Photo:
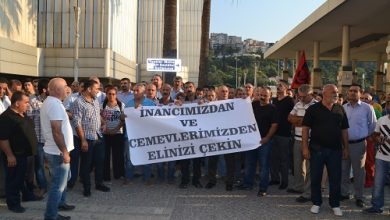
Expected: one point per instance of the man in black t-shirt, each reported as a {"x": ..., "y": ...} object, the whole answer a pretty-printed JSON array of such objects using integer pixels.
[
  {"x": 282, "y": 139},
  {"x": 17, "y": 141},
  {"x": 266, "y": 117},
  {"x": 328, "y": 125}
]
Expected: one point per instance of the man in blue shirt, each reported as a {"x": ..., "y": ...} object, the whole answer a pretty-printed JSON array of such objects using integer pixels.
[
  {"x": 138, "y": 101},
  {"x": 362, "y": 120}
]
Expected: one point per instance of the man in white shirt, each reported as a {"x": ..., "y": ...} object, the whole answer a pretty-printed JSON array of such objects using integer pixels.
[
  {"x": 4, "y": 104},
  {"x": 300, "y": 183},
  {"x": 4, "y": 93},
  {"x": 58, "y": 137}
]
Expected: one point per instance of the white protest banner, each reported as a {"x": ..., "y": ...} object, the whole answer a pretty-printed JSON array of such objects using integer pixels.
[{"x": 166, "y": 133}]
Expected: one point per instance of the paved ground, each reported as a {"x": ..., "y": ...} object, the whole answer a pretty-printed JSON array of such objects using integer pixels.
[{"x": 163, "y": 201}]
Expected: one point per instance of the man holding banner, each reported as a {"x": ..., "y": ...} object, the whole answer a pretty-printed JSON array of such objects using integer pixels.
[
  {"x": 196, "y": 162},
  {"x": 138, "y": 101},
  {"x": 169, "y": 133},
  {"x": 267, "y": 119},
  {"x": 223, "y": 94}
]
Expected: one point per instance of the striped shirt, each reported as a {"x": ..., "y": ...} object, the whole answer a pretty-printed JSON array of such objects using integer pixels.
[
  {"x": 300, "y": 110},
  {"x": 383, "y": 127},
  {"x": 4, "y": 103},
  {"x": 87, "y": 115},
  {"x": 33, "y": 112}
]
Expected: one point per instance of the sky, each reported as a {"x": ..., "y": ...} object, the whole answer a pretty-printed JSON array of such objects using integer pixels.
[{"x": 265, "y": 20}]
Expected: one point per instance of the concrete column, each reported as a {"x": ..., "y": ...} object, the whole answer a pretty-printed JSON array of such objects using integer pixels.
[
  {"x": 387, "y": 83},
  {"x": 354, "y": 73},
  {"x": 316, "y": 80},
  {"x": 379, "y": 75},
  {"x": 285, "y": 69},
  {"x": 297, "y": 55},
  {"x": 345, "y": 72}
]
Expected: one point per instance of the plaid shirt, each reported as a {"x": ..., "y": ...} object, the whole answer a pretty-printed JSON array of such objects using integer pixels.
[
  {"x": 33, "y": 112},
  {"x": 87, "y": 115}
]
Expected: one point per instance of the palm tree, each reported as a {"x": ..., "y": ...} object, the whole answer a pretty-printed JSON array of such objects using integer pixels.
[
  {"x": 204, "y": 44},
  {"x": 169, "y": 43},
  {"x": 10, "y": 12}
]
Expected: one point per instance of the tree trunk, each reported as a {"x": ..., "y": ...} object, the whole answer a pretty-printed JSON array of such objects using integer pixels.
[
  {"x": 204, "y": 45},
  {"x": 169, "y": 44}
]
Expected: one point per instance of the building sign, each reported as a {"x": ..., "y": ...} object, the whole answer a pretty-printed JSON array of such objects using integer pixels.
[{"x": 163, "y": 65}]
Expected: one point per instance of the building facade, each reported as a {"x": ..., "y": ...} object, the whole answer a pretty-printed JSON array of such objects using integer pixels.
[
  {"x": 151, "y": 32},
  {"x": 37, "y": 38},
  {"x": 107, "y": 38},
  {"x": 18, "y": 37}
]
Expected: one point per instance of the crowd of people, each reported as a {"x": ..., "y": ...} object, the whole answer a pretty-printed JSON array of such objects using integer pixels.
[{"x": 308, "y": 141}]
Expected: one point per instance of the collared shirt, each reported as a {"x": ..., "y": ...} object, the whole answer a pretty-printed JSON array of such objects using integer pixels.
[
  {"x": 174, "y": 92},
  {"x": 4, "y": 104},
  {"x": 125, "y": 97},
  {"x": 326, "y": 125},
  {"x": 299, "y": 110},
  {"x": 33, "y": 112},
  {"x": 19, "y": 131},
  {"x": 87, "y": 115},
  {"x": 361, "y": 118},
  {"x": 145, "y": 102},
  {"x": 161, "y": 102},
  {"x": 155, "y": 100},
  {"x": 68, "y": 102},
  {"x": 158, "y": 94},
  {"x": 100, "y": 97}
]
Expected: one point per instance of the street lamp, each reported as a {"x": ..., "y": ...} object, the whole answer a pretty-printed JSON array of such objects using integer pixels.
[
  {"x": 76, "y": 43},
  {"x": 236, "y": 71}
]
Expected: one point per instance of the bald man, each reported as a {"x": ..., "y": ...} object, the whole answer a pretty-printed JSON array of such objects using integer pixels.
[
  {"x": 328, "y": 125},
  {"x": 58, "y": 137}
]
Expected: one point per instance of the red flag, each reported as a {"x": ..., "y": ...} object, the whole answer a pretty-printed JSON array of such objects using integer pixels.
[{"x": 302, "y": 73}]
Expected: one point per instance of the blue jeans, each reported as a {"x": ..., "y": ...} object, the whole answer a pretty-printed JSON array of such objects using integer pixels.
[
  {"x": 95, "y": 156},
  {"x": 171, "y": 170},
  {"x": 57, "y": 194},
  {"x": 74, "y": 161},
  {"x": 332, "y": 160},
  {"x": 129, "y": 167},
  {"x": 40, "y": 167},
  {"x": 382, "y": 168},
  {"x": 261, "y": 154}
]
